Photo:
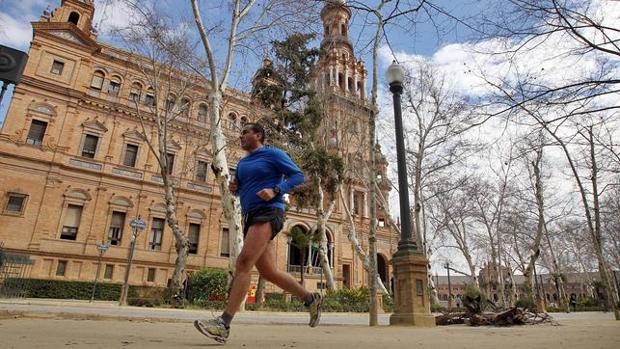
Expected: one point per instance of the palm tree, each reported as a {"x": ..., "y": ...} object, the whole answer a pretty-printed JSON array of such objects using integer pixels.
[{"x": 302, "y": 240}]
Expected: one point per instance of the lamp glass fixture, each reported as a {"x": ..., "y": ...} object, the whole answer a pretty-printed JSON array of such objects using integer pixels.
[{"x": 395, "y": 73}]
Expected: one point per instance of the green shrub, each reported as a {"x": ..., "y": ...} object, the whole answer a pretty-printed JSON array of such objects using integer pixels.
[
  {"x": 526, "y": 303},
  {"x": 347, "y": 300},
  {"x": 437, "y": 308},
  {"x": 388, "y": 304},
  {"x": 208, "y": 288},
  {"x": 82, "y": 290}
]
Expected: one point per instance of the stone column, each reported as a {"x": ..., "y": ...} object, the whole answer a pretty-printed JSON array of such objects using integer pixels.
[{"x": 412, "y": 306}]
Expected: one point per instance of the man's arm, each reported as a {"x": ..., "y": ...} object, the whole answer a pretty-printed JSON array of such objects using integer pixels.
[{"x": 291, "y": 171}]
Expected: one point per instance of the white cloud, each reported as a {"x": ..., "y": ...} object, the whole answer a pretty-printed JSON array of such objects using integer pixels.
[
  {"x": 14, "y": 33},
  {"x": 114, "y": 14}
]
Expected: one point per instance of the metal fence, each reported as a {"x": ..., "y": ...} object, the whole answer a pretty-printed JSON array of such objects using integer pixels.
[{"x": 14, "y": 268}]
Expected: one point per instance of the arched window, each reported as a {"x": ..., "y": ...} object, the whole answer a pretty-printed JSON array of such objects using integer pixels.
[
  {"x": 202, "y": 113},
  {"x": 232, "y": 121},
  {"x": 341, "y": 81},
  {"x": 115, "y": 86},
  {"x": 350, "y": 84},
  {"x": 313, "y": 253},
  {"x": 244, "y": 120},
  {"x": 97, "y": 80},
  {"x": 185, "y": 106},
  {"x": 170, "y": 103},
  {"x": 343, "y": 29},
  {"x": 326, "y": 30},
  {"x": 149, "y": 97},
  {"x": 74, "y": 18},
  {"x": 135, "y": 93}
]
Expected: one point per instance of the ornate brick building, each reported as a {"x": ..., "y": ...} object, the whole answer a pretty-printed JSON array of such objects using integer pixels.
[{"x": 76, "y": 168}]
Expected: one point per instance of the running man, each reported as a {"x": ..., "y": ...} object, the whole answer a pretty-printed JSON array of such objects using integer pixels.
[{"x": 263, "y": 176}]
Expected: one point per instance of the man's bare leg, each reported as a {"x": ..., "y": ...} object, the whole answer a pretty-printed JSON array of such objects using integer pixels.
[
  {"x": 267, "y": 268},
  {"x": 255, "y": 243}
]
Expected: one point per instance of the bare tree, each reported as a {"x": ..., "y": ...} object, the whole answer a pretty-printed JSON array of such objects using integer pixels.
[
  {"x": 162, "y": 57},
  {"x": 250, "y": 22}
]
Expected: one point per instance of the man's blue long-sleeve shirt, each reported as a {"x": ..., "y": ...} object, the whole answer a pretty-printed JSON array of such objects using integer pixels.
[{"x": 265, "y": 168}]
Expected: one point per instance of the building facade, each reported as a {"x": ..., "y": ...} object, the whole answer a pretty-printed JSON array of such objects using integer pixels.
[{"x": 76, "y": 168}]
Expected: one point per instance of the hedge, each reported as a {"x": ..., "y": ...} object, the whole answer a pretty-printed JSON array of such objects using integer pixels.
[{"x": 61, "y": 289}]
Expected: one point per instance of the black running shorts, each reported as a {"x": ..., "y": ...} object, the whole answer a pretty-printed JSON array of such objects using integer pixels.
[{"x": 273, "y": 215}]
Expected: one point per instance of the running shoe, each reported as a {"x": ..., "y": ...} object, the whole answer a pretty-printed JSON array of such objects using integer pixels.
[
  {"x": 315, "y": 309},
  {"x": 213, "y": 328}
]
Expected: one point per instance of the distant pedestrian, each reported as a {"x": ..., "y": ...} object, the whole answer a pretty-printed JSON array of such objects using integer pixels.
[
  {"x": 573, "y": 302},
  {"x": 458, "y": 301}
]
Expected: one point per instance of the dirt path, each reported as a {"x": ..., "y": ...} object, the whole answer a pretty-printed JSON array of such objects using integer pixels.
[{"x": 53, "y": 333}]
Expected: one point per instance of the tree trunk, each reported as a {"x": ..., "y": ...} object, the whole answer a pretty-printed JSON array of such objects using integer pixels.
[
  {"x": 322, "y": 217},
  {"x": 303, "y": 267},
  {"x": 260, "y": 291},
  {"x": 612, "y": 296},
  {"x": 540, "y": 228},
  {"x": 357, "y": 246},
  {"x": 220, "y": 167}
]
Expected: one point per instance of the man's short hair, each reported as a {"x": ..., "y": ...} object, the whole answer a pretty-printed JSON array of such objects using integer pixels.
[{"x": 256, "y": 128}]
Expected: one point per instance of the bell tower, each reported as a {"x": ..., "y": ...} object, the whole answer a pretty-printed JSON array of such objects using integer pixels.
[
  {"x": 77, "y": 12},
  {"x": 337, "y": 69}
]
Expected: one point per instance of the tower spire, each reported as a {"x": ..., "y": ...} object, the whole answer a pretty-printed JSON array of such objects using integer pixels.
[{"x": 338, "y": 70}]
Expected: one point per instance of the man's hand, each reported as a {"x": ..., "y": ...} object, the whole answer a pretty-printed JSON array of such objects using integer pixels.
[
  {"x": 266, "y": 194},
  {"x": 233, "y": 185}
]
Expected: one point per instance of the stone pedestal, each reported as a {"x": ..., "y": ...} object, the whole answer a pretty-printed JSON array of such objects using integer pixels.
[{"x": 412, "y": 306}]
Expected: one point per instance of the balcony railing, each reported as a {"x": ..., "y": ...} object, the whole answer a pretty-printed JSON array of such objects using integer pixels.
[{"x": 307, "y": 270}]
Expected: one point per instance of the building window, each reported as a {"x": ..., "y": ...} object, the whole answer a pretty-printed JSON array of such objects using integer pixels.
[
  {"x": 225, "y": 244},
  {"x": 36, "y": 132},
  {"x": 131, "y": 155},
  {"x": 61, "y": 268},
  {"x": 232, "y": 121},
  {"x": 149, "y": 99},
  {"x": 71, "y": 223},
  {"x": 114, "y": 86},
  {"x": 150, "y": 277},
  {"x": 358, "y": 202},
  {"x": 185, "y": 107},
  {"x": 135, "y": 92},
  {"x": 381, "y": 222},
  {"x": 170, "y": 103},
  {"x": 157, "y": 232},
  {"x": 169, "y": 163},
  {"x": 115, "y": 234},
  {"x": 57, "y": 67},
  {"x": 243, "y": 121},
  {"x": 202, "y": 113},
  {"x": 15, "y": 203},
  {"x": 109, "y": 271},
  {"x": 74, "y": 18},
  {"x": 90, "y": 146},
  {"x": 201, "y": 171},
  {"x": 194, "y": 233},
  {"x": 97, "y": 80}
]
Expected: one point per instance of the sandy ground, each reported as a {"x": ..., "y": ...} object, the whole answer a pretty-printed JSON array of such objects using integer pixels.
[{"x": 50, "y": 332}]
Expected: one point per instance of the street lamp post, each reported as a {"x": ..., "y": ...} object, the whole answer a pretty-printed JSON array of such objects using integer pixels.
[
  {"x": 137, "y": 225},
  {"x": 447, "y": 266},
  {"x": 101, "y": 248},
  {"x": 412, "y": 303}
]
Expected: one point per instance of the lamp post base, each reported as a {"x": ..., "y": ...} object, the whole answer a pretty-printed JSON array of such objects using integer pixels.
[{"x": 412, "y": 306}]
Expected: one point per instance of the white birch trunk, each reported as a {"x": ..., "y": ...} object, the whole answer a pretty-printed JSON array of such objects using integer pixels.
[
  {"x": 357, "y": 246},
  {"x": 322, "y": 217}
]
